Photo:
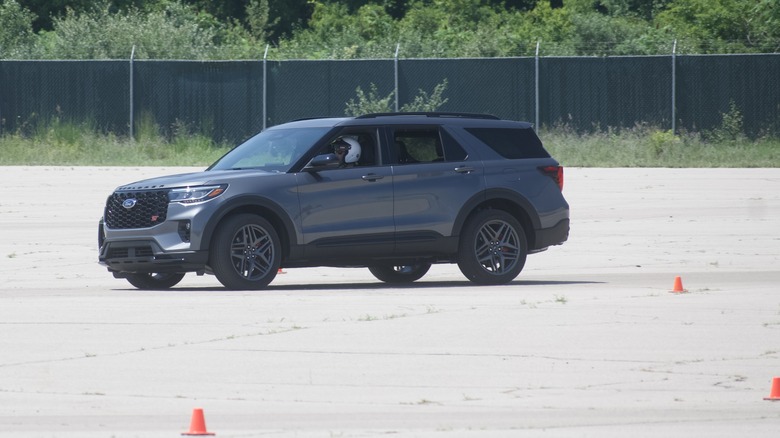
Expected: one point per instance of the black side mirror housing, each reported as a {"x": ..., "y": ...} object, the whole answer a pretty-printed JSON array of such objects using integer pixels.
[{"x": 324, "y": 161}]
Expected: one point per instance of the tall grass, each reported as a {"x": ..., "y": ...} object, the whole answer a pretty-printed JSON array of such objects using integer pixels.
[
  {"x": 62, "y": 143},
  {"x": 650, "y": 147}
]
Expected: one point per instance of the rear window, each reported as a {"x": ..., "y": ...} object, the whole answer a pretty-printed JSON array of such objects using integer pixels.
[{"x": 512, "y": 143}]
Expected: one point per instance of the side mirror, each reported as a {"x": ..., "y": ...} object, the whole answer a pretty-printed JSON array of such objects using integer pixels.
[{"x": 324, "y": 161}]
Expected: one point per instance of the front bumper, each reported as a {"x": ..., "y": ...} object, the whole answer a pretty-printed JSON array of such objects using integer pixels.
[{"x": 146, "y": 256}]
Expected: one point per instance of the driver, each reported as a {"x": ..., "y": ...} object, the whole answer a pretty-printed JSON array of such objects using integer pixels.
[{"x": 348, "y": 151}]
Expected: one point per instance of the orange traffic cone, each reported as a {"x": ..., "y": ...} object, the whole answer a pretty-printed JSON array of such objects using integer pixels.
[
  {"x": 774, "y": 394},
  {"x": 197, "y": 424},
  {"x": 678, "y": 288}
]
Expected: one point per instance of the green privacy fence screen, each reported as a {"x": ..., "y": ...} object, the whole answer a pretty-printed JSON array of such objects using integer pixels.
[{"x": 231, "y": 100}]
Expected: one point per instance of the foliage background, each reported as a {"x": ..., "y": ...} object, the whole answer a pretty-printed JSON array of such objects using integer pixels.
[{"x": 350, "y": 29}]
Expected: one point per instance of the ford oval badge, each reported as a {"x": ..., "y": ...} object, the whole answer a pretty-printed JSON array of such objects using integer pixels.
[{"x": 129, "y": 203}]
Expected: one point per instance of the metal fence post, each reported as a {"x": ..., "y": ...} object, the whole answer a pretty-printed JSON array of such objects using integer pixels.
[
  {"x": 265, "y": 84},
  {"x": 395, "y": 66},
  {"x": 536, "y": 86},
  {"x": 674, "y": 87},
  {"x": 132, "y": 121}
]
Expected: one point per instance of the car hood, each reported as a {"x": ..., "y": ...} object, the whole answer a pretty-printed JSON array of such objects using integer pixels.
[{"x": 193, "y": 179}]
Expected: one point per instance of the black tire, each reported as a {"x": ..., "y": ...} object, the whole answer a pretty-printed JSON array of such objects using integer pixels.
[
  {"x": 492, "y": 248},
  {"x": 245, "y": 253},
  {"x": 158, "y": 281},
  {"x": 400, "y": 274}
]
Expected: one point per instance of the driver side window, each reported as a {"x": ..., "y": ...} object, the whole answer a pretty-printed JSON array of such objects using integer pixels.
[{"x": 354, "y": 148}]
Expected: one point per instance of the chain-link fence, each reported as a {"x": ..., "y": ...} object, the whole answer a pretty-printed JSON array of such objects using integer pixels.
[
  {"x": 301, "y": 89},
  {"x": 709, "y": 85},
  {"x": 221, "y": 99},
  {"x": 32, "y": 93},
  {"x": 596, "y": 93},
  {"x": 500, "y": 86},
  {"x": 231, "y": 100}
]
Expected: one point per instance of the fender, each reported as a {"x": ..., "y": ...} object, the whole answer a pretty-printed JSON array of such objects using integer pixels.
[
  {"x": 251, "y": 204},
  {"x": 496, "y": 194}
]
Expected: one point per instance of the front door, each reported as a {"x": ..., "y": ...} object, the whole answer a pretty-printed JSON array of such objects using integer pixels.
[{"x": 347, "y": 212}]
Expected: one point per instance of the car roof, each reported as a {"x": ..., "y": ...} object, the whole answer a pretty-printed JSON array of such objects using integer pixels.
[
  {"x": 410, "y": 118},
  {"x": 321, "y": 122}
]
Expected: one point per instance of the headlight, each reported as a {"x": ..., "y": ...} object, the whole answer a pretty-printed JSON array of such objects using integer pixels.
[{"x": 191, "y": 195}]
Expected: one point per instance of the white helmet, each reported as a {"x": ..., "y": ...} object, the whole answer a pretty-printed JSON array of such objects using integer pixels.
[{"x": 352, "y": 147}]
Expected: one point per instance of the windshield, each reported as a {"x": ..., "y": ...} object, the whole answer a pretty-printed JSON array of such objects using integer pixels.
[{"x": 274, "y": 150}]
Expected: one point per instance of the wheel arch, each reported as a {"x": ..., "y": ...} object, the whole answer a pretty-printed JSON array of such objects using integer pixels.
[
  {"x": 263, "y": 207},
  {"x": 501, "y": 199}
]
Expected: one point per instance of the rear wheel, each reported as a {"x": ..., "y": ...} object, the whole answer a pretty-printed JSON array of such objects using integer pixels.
[
  {"x": 157, "y": 281},
  {"x": 245, "y": 252},
  {"x": 493, "y": 248},
  {"x": 400, "y": 274}
]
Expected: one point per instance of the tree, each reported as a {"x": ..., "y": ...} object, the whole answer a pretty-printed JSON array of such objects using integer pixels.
[
  {"x": 258, "y": 18},
  {"x": 724, "y": 26},
  {"x": 288, "y": 15},
  {"x": 46, "y": 11},
  {"x": 349, "y": 29},
  {"x": 172, "y": 33},
  {"x": 645, "y": 9},
  {"x": 527, "y": 5},
  {"x": 222, "y": 10},
  {"x": 765, "y": 26},
  {"x": 16, "y": 30}
]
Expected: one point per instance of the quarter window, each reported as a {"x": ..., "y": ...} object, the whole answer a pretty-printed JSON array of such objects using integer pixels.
[{"x": 512, "y": 143}]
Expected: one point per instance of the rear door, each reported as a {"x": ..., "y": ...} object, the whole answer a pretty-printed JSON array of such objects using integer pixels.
[{"x": 433, "y": 177}]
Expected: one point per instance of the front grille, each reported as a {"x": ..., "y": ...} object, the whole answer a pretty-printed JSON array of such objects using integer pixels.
[{"x": 150, "y": 209}]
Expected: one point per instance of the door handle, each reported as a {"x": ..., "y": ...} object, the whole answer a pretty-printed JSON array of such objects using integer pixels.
[
  {"x": 371, "y": 177},
  {"x": 464, "y": 169}
]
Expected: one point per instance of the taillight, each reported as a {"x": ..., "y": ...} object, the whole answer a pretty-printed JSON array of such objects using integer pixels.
[{"x": 554, "y": 172}]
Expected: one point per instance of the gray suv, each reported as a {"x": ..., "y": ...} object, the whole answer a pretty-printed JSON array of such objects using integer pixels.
[{"x": 391, "y": 192}]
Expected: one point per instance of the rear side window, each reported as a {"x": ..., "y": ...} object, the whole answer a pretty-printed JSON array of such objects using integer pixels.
[
  {"x": 426, "y": 145},
  {"x": 512, "y": 143}
]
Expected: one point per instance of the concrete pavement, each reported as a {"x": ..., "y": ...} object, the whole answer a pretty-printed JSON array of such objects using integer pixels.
[{"x": 588, "y": 341}]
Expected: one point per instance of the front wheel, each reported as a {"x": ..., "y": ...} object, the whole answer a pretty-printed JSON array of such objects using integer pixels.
[
  {"x": 492, "y": 248},
  {"x": 245, "y": 252},
  {"x": 158, "y": 281},
  {"x": 400, "y": 274}
]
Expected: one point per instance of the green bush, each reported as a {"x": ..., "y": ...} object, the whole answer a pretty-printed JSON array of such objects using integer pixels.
[
  {"x": 425, "y": 102},
  {"x": 662, "y": 141},
  {"x": 373, "y": 103},
  {"x": 730, "y": 129},
  {"x": 173, "y": 32}
]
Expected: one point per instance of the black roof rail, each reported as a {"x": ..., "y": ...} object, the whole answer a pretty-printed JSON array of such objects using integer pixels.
[{"x": 432, "y": 114}]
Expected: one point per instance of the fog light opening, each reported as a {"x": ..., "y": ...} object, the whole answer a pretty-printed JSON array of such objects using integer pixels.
[{"x": 184, "y": 230}]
